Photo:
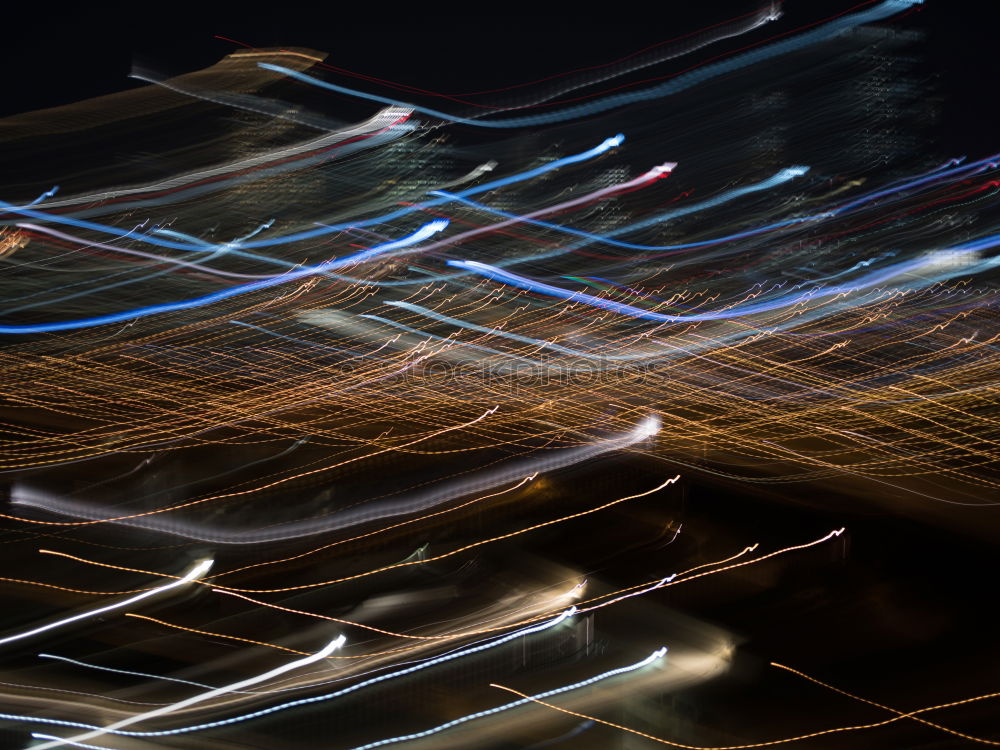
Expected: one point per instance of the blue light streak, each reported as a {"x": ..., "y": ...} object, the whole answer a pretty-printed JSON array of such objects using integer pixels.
[
  {"x": 326, "y": 229},
  {"x": 315, "y": 699},
  {"x": 674, "y": 86},
  {"x": 142, "y": 312},
  {"x": 514, "y": 704}
]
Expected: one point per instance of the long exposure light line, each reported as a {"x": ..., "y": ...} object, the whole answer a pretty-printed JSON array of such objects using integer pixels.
[
  {"x": 768, "y": 743},
  {"x": 314, "y": 699},
  {"x": 202, "y": 697},
  {"x": 514, "y": 704},
  {"x": 196, "y": 572}
]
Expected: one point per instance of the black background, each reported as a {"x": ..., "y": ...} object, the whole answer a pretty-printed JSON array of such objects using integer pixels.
[{"x": 60, "y": 53}]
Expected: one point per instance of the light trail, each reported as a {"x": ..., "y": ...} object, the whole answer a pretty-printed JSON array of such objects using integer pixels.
[
  {"x": 416, "y": 503},
  {"x": 327, "y": 229},
  {"x": 653, "y": 657},
  {"x": 824, "y": 333},
  {"x": 304, "y": 701},
  {"x": 323, "y": 653},
  {"x": 678, "y": 84},
  {"x": 192, "y": 575},
  {"x": 303, "y": 273},
  {"x": 783, "y": 740}
]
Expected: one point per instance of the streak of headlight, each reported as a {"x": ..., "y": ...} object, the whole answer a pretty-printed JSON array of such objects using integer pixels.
[
  {"x": 315, "y": 699},
  {"x": 198, "y": 570},
  {"x": 202, "y": 697},
  {"x": 418, "y": 502},
  {"x": 81, "y": 512},
  {"x": 514, "y": 704},
  {"x": 421, "y": 234}
]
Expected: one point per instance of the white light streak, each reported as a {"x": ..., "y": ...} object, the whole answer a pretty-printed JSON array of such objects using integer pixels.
[
  {"x": 200, "y": 698},
  {"x": 196, "y": 572}
]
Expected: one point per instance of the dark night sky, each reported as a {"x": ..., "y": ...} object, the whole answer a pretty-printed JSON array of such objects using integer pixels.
[{"x": 56, "y": 55}]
